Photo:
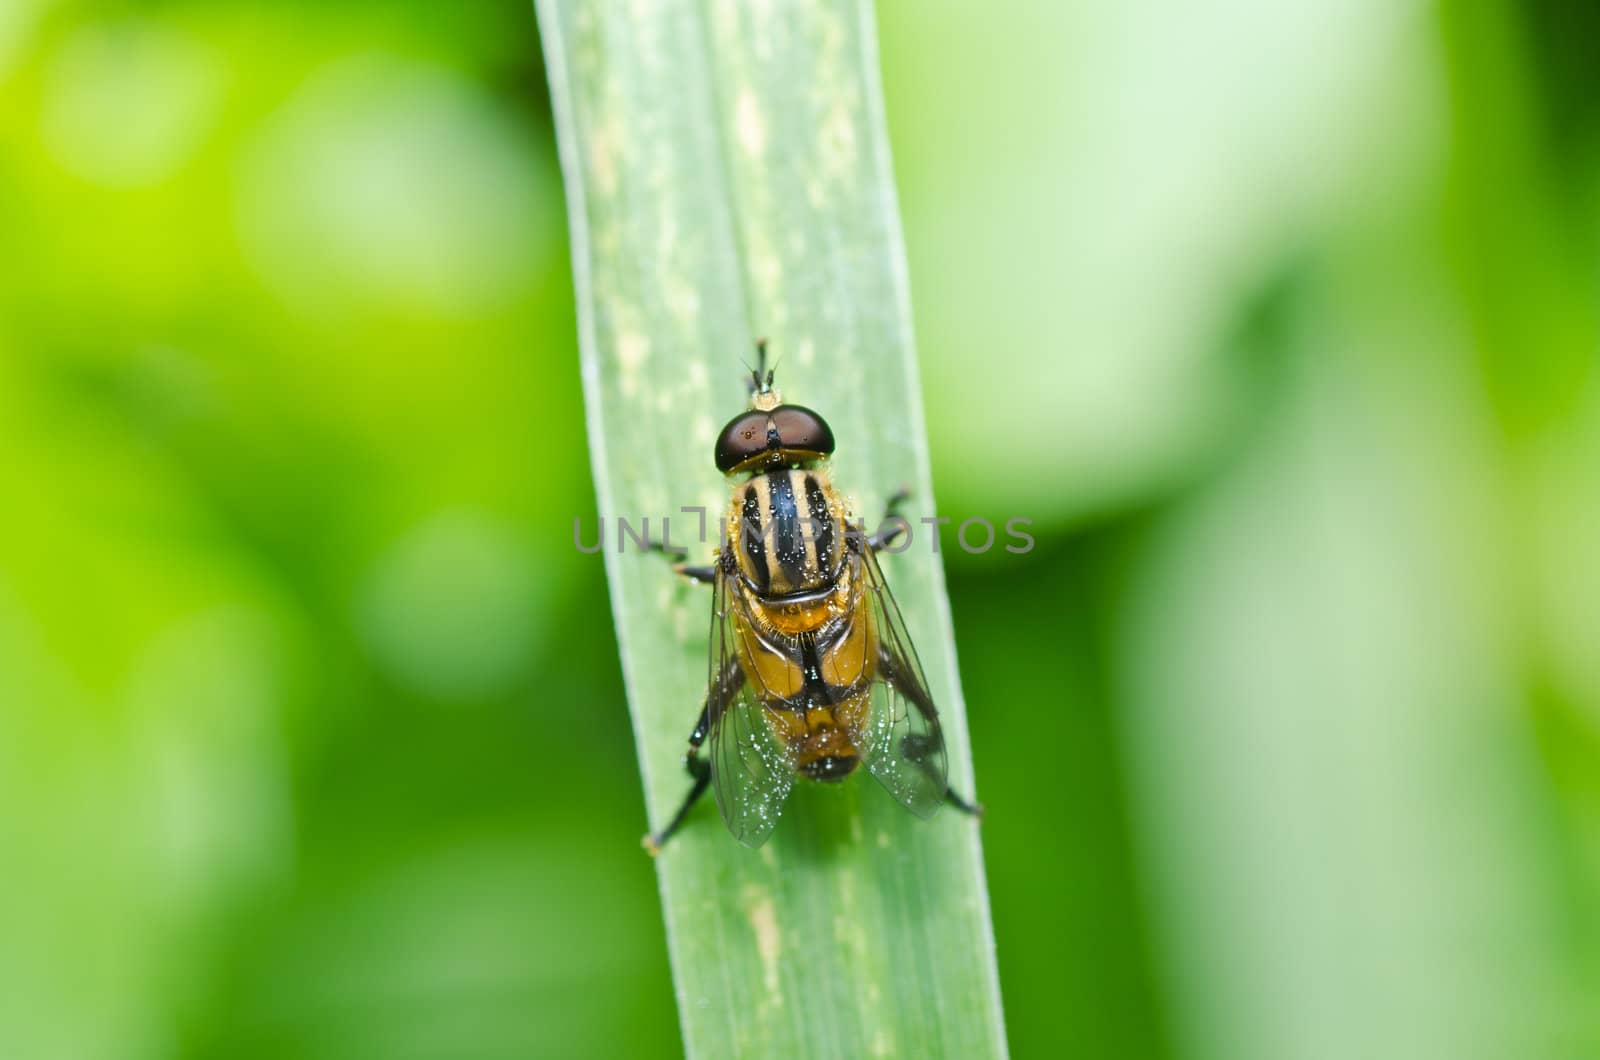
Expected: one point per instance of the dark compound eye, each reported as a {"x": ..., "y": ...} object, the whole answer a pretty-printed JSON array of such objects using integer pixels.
[
  {"x": 742, "y": 438},
  {"x": 787, "y": 428},
  {"x": 802, "y": 429}
]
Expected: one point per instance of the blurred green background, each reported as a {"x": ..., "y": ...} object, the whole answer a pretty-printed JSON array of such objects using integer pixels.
[{"x": 1280, "y": 321}]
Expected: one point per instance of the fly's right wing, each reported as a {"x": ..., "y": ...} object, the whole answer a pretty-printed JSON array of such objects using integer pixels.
[
  {"x": 901, "y": 740},
  {"x": 751, "y": 770}
]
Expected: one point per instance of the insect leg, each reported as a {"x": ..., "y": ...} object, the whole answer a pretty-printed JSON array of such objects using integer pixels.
[
  {"x": 717, "y": 699},
  {"x": 891, "y": 510},
  {"x": 703, "y": 575},
  {"x": 896, "y": 501},
  {"x": 918, "y": 746},
  {"x": 700, "y": 770},
  {"x": 971, "y": 809}
]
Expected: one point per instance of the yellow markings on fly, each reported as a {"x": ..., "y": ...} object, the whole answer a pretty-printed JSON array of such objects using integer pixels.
[
  {"x": 794, "y": 619},
  {"x": 834, "y": 612},
  {"x": 772, "y": 672},
  {"x": 818, "y": 721},
  {"x": 847, "y": 662},
  {"x": 786, "y": 543},
  {"x": 820, "y": 732},
  {"x": 852, "y": 658},
  {"x": 795, "y": 726}
]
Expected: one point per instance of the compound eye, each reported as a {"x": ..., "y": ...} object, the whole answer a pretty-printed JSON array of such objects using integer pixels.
[
  {"x": 743, "y": 437},
  {"x": 800, "y": 428}
]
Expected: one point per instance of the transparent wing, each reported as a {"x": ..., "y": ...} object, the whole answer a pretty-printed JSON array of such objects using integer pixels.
[
  {"x": 751, "y": 770},
  {"x": 900, "y": 739}
]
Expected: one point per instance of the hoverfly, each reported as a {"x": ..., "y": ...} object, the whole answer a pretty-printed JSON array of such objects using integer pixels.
[{"x": 812, "y": 672}]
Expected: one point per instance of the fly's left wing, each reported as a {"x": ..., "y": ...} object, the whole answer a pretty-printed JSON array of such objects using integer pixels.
[
  {"x": 900, "y": 738},
  {"x": 751, "y": 770}
]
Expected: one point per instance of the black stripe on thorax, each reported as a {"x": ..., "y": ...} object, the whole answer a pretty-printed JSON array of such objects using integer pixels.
[
  {"x": 821, "y": 524},
  {"x": 787, "y": 542},
  {"x": 754, "y": 544}
]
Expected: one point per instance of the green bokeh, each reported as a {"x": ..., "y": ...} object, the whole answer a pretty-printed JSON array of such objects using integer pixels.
[{"x": 1279, "y": 322}]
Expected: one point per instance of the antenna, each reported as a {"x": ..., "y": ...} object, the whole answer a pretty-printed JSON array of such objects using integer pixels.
[
  {"x": 762, "y": 396},
  {"x": 761, "y": 375}
]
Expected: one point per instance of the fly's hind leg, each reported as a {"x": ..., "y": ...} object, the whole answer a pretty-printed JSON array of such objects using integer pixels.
[
  {"x": 729, "y": 682},
  {"x": 918, "y": 746},
  {"x": 700, "y": 770},
  {"x": 971, "y": 809}
]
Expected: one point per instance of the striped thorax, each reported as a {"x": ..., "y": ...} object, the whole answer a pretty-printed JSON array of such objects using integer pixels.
[{"x": 787, "y": 530}]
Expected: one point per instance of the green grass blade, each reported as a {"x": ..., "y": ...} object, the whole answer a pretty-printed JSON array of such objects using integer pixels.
[{"x": 728, "y": 177}]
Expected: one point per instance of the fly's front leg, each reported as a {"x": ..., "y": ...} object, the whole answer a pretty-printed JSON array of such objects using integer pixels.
[
  {"x": 886, "y": 534},
  {"x": 729, "y": 682},
  {"x": 703, "y": 575}
]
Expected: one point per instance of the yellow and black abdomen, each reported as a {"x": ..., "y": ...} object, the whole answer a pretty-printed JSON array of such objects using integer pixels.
[
  {"x": 811, "y": 650},
  {"x": 787, "y": 530},
  {"x": 816, "y": 683},
  {"x": 817, "y": 689}
]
